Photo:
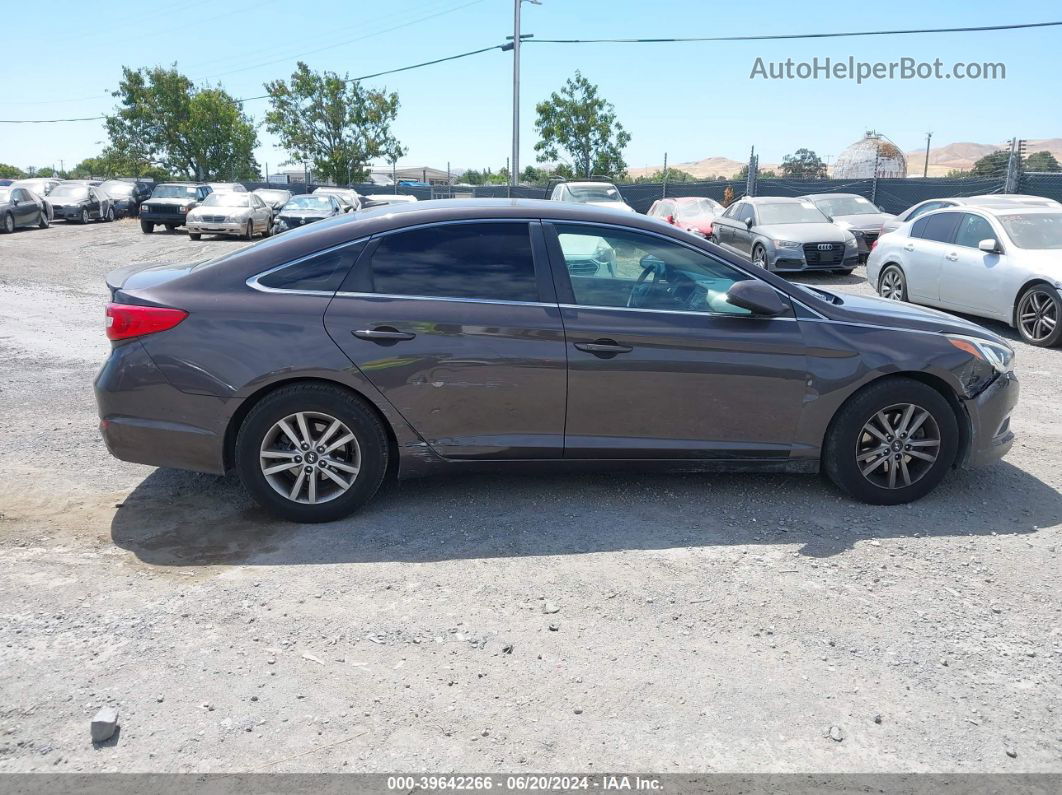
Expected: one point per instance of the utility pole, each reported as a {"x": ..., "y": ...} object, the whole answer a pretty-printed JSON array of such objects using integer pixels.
[
  {"x": 925, "y": 168},
  {"x": 515, "y": 160},
  {"x": 663, "y": 188}
]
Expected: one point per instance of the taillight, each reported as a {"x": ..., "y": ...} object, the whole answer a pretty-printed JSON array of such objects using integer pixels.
[{"x": 130, "y": 320}]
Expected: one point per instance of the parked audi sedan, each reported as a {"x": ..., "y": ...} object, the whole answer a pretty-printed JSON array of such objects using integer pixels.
[
  {"x": 241, "y": 214},
  {"x": 21, "y": 207},
  {"x": 306, "y": 209},
  {"x": 450, "y": 335},
  {"x": 782, "y": 234},
  {"x": 693, "y": 213},
  {"x": 1003, "y": 263},
  {"x": 854, "y": 213},
  {"x": 78, "y": 201}
]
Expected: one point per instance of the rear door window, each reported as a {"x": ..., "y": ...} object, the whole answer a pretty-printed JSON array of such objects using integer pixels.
[
  {"x": 940, "y": 227},
  {"x": 486, "y": 261}
]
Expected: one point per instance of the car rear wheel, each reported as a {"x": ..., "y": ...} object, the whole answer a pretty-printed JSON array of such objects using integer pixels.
[
  {"x": 759, "y": 257},
  {"x": 146, "y": 227},
  {"x": 84, "y": 216},
  {"x": 43, "y": 222},
  {"x": 249, "y": 231},
  {"x": 110, "y": 215},
  {"x": 1037, "y": 315},
  {"x": 194, "y": 236},
  {"x": 891, "y": 443},
  {"x": 9, "y": 223},
  {"x": 892, "y": 284},
  {"x": 311, "y": 453}
]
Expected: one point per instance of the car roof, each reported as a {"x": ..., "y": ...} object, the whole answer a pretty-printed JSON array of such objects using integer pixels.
[
  {"x": 831, "y": 196},
  {"x": 774, "y": 199},
  {"x": 1011, "y": 209}
]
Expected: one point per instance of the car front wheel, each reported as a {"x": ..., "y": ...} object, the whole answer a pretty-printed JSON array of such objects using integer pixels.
[
  {"x": 146, "y": 227},
  {"x": 891, "y": 443},
  {"x": 1037, "y": 316},
  {"x": 9, "y": 223},
  {"x": 759, "y": 257},
  {"x": 892, "y": 284},
  {"x": 311, "y": 453}
]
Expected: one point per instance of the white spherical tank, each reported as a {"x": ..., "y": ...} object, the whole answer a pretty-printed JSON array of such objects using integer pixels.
[{"x": 872, "y": 155}]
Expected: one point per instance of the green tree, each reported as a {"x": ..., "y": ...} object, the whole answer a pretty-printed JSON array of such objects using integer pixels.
[
  {"x": 581, "y": 124},
  {"x": 803, "y": 164},
  {"x": 673, "y": 175},
  {"x": 11, "y": 172},
  {"x": 332, "y": 122},
  {"x": 1042, "y": 161},
  {"x": 535, "y": 176},
  {"x": 47, "y": 171},
  {"x": 991, "y": 165},
  {"x": 743, "y": 174},
  {"x": 114, "y": 163},
  {"x": 164, "y": 120},
  {"x": 956, "y": 173}
]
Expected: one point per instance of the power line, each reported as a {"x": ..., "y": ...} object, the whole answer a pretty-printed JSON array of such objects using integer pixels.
[{"x": 770, "y": 37}]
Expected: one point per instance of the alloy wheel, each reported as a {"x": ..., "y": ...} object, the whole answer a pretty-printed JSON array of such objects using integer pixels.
[
  {"x": 9, "y": 224},
  {"x": 891, "y": 285},
  {"x": 1038, "y": 315},
  {"x": 310, "y": 457},
  {"x": 898, "y": 446},
  {"x": 759, "y": 258}
]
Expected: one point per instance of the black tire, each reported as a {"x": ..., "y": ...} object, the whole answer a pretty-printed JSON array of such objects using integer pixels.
[
  {"x": 9, "y": 224},
  {"x": 84, "y": 216},
  {"x": 195, "y": 236},
  {"x": 146, "y": 227},
  {"x": 171, "y": 227},
  {"x": 110, "y": 215},
  {"x": 892, "y": 283},
  {"x": 249, "y": 232},
  {"x": 325, "y": 399},
  {"x": 43, "y": 223},
  {"x": 1037, "y": 305},
  {"x": 843, "y": 439},
  {"x": 762, "y": 253}
]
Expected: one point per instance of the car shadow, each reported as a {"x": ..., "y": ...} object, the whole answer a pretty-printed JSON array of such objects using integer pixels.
[
  {"x": 183, "y": 519},
  {"x": 826, "y": 279}
]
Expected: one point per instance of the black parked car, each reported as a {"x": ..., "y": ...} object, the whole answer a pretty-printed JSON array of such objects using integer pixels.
[
  {"x": 78, "y": 201},
  {"x": 169, "y": 205},
  {"x": 305, "y": 209},
  {"x": 453, "y": 334},
  {"x": 125, "y": 195},
  {"x": 21, "y": 207}
]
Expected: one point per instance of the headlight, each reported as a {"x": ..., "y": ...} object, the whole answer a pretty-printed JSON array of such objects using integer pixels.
[
  {"x": 786, "y": 244},
  {"x": 999, "y": 355},
  {"x": 852, "y": 243}
]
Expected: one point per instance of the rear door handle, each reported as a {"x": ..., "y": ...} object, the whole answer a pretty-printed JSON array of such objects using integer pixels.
[
  {"x": 603, "y": 347},
  {"x": 952, "y": 256},
  {"x": 909, "y": 247},
  {"x": 383, "y": 334}
]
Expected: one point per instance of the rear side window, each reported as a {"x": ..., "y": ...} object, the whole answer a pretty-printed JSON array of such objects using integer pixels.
[
  {"x": 488, "y": 261},
  {"x": 940, "y": 227},
  {"x": 320, "y": 273}
]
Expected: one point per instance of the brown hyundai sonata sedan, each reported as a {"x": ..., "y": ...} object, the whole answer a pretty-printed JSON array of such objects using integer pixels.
[{"x": 458, "y": 333}]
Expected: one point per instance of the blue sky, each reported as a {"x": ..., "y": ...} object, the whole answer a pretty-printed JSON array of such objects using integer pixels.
[{"x": 690, "y": 100}]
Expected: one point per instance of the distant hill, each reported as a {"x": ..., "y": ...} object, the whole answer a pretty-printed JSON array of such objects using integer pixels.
[{"x": 942, "y": 159}]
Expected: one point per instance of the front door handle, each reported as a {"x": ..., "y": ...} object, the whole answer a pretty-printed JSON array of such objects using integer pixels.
[
  {"x": 952, "y": 256},
  {"x": 909, "y": 247},
  {"x": 603, "y": 347},
  {"x": 383, "y": 334}
]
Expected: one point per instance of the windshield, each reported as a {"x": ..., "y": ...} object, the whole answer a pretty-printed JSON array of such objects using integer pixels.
[
  {"x": 846, "y": 205},
  {"x": 117, "y": 188},
  {"x": 309, "y": 203},
  {"x": 69, "y": 192},
  {"x": 790, "y": 213},
  {"x": 226, "y": 200},
  {"x": 173, "y": 192},
  {"x": 1034, "y": 231},
  {"x": 595, "y": 193},
  {"x": 272, "y": 195},
  {"x": 697, "y": 208}
]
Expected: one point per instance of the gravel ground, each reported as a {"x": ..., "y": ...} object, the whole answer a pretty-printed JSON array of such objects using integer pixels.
[{"x": 666, "y": 623}]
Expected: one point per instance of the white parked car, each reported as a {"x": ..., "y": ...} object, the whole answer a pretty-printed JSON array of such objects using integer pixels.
[
  {"x": 1003, "y": 263},
  {"x": 227, "y": 187},
  {"x": 598, "y": 194},
  {"x": 983, "y": 200},
  {"x": 243, "y": 214}
]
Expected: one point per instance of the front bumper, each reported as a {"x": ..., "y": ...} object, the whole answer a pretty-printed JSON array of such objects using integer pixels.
[
  {"x": 989, "y": 412},
  {"x": 790, "y": 264},
  {"x": 284, "y": 224},
  {"x": 171, "y": 217},
  {"x": 226, "y": 228},
  {"x": 67, "y": 213}
]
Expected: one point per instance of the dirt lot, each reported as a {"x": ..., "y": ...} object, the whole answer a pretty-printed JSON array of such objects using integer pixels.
[{"x": 723, "y": 623}]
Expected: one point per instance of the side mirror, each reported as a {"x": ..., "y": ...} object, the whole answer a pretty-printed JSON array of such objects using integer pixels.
[
  {"x": 757, "y": 297},
  {"x": 748, "y": 223},
  {"x": 989, "y": 245}
]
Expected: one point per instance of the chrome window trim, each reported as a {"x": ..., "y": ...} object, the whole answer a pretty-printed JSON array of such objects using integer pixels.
[
  {"x": 254, "y": 284},
  {"x": 455, "y": 222},
  {"x": 675, "y": 312},
  {"x": 393, "y": 297}
]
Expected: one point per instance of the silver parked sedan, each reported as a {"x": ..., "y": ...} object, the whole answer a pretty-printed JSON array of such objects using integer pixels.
[
  {"x": 242, "y": 214},
  {"x": 782, "y": 234}
]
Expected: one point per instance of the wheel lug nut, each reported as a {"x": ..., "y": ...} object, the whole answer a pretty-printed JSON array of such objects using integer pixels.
[
  {"x": 320, "y": 449},
  {"x": 897, "y": 456},
  {"x": 305, "y": 446},
  {"x": 298, "y": 459},
  {"x": 310, "y": 469},
  {"x": 907, "y": 447}
]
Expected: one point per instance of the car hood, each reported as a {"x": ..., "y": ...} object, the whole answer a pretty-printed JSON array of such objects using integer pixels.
[
  {"x": 177, "y": 202},
  {"x": 298, "y": 213},
  {"x": 803, "y": 233},
  {"x": 863, "y": 221},
  {"x": 1045, "y": 261},
  {"x": 896, "y": 314},
  {"x": 221, "y": 209},
  {"x": 64, "y": 201}
]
